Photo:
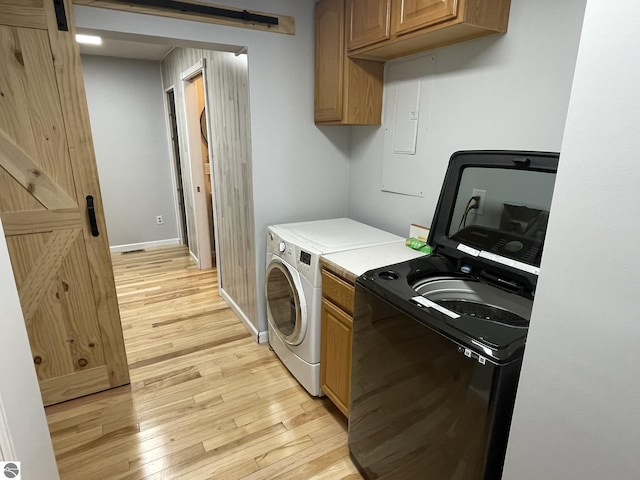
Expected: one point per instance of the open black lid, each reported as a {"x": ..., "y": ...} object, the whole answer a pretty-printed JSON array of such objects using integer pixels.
[{"x": 493, "y": 211}]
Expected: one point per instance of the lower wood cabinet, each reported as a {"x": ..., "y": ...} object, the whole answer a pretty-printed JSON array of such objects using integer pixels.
[{"x": 337, "y": 328}]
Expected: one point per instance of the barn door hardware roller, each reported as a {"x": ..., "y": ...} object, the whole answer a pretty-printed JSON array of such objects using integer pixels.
[{"x": 186, "y": 7}]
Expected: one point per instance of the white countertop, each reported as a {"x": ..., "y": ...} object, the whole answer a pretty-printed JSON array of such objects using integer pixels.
[{"x": 360, "y": 260}]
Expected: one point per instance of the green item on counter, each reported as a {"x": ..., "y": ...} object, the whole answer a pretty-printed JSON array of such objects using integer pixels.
[{"x": 418, "y": 245}]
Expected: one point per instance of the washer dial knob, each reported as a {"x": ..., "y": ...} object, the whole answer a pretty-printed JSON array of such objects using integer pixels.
[{"x": 282, "y": 246}]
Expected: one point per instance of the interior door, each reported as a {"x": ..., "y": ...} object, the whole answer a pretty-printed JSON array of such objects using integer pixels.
[{"x": 48, "y": 184}]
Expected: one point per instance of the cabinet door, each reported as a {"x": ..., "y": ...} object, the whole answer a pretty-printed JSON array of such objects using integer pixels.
[
  {"x": 329, "y": 61},
  {"x": 368, "y": 22},
  {"x": 335, "y": 363},
  {"x": 338, "y": 291},
  {"x": 414, "y": 14}
]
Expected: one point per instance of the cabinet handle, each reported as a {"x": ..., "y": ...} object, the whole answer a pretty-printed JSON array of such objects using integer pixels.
[{"x": 91, "y": 212}]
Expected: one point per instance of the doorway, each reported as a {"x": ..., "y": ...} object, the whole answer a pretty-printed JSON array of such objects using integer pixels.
[
  {"x": 225, "y": 79},
  {"x": 195, "y": 105},
  {"x": 177, "y": 165}
]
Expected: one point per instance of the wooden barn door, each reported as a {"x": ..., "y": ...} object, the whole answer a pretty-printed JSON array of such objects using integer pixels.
[{"x": 49, "y": 194}]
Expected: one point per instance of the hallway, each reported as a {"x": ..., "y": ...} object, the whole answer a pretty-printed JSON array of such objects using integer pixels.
[{"x": 205, "y": 400}]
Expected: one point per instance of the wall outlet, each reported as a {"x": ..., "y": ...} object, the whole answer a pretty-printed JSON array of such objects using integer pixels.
[
  {"x": 159, "y": 219},
  {"x": 482, "y": 194}
]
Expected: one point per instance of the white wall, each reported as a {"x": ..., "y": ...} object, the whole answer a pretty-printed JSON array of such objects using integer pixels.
[
  {"x": 577, "y": 413},
  {"x": 501, "y": 92},
  {"x": 128, "y": 122},
  {"x": 26, "y": 421},
  {"x": 300, "y": 172}
]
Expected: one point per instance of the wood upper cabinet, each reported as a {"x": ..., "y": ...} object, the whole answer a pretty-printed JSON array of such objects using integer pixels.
[
  {"x": 420, "y": 25},
  {"x": 329, "y": 61},
  {"x": 414, "y": 14},
  {"x": 347, "y": 91},
  {"x": 336, "y": 336},
  {"x": 369, "y": 22}
]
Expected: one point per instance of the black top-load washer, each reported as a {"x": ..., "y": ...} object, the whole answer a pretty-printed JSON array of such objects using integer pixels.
[{"x": 438, "y": 341}]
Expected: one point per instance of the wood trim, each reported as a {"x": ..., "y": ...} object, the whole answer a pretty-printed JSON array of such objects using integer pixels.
[
  {"x": 286, "y": 24},
  {"x": 40, "y": 221},
  {"x": 192, "y": 141},
  {"x": 22, "y": 13},
  {"x": 193, "y": 70},
  {"x": 260, "y": 337},
  {"x": 31, "y": 176},
  {"x": 57, "y": 389}
]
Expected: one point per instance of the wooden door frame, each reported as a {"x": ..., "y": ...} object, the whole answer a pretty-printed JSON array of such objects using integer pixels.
[
  {"x": 213, "y": 172},
  {"x": 197, "y": 169}
]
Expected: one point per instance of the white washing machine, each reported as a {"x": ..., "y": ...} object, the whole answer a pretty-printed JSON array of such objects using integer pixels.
[{"x": 293, "y": 287}]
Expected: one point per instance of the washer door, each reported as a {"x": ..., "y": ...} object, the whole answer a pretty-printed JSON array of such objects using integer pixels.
[{"x": 286, "y": 307}]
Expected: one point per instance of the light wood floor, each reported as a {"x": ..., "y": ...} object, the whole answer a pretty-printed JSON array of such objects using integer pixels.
[{"x": 205, "y": 400}]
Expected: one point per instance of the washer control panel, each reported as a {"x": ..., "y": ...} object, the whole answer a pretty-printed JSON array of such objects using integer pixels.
[{"x": 303, "y": 259}]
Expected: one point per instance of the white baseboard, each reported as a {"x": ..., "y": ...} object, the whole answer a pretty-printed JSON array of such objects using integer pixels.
[
  {"x": 263, "y": 337},
  {"x": 144, "y": 245},
  {"x": 194, "y": 258},
  {"x": 260, "y": 337}
]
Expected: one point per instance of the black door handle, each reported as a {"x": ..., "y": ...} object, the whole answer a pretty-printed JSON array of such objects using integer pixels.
[{"x": 91, "y": 212}]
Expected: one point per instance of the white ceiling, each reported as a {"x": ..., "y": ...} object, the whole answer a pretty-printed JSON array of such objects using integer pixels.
[
  {"x": 142, "y": 47},
  {"x": 126, "y": 49}
]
